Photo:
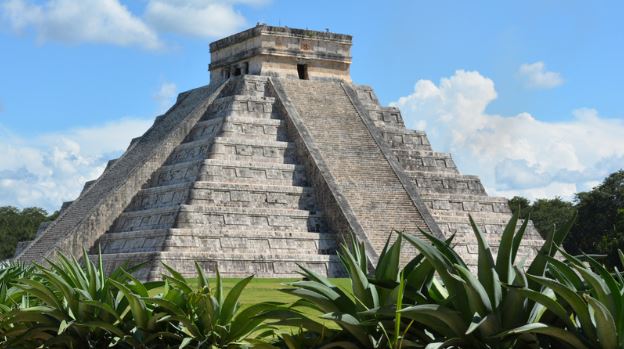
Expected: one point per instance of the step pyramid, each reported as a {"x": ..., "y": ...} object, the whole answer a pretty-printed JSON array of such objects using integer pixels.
[
  {"x": 269, "y": 168},
  {"x": 233, "y": 193}
]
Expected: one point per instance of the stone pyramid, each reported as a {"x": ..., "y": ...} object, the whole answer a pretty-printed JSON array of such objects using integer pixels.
[{"x": 274, "y": 163}]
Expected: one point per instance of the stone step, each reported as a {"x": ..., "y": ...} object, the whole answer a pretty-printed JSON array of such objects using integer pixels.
[
  {"x": 251, "y": 85},
  {"x": 206, "y": 129},
  {"x": 447, "y": 183},
  {"x": 244, "y": 149},
  {"x": 241, "y": 105},
  {"x": 217, "y": 170},
  {"x": 153, "y": 218},
  {"x": 182, "y": 172},
  {"x": 228, "y": 264},
  {"x": 386, "y": 116},
  {"x": 266, "y": 129},
  {"x": 207, "y": 240},
  {"x": 422, "y": 160},
  {"x": 466, "y": 203},
  {"x": 251, "y": 195},
  {"x": 161, "y": 196},
  {"x": 191, "y": 150},
  {"x": 491, "y": 231},
  {"x": 403, "y": 138},
  {"x": 191, "y": 216},
  {"x": 462, "y": 217},
  {"x": 366, "y": 95},
  {"x": 463, "y": 197}
]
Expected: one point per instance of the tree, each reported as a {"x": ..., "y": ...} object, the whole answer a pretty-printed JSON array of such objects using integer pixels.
[
  {"x": 519, "y": 203},
  {"x": 16, "y": 225},
  {"x": 600, "y": 224},
  {"x": 546, "y": 214}
]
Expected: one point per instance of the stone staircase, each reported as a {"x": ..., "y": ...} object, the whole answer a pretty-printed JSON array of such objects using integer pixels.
[
  {"x": 232, "y": 195},
  {"x": 364, "y": 176},
  {"x": 449, "y": 195}
]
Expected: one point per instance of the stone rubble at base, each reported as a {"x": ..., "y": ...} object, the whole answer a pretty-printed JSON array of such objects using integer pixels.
[{"x": 272, "y": 166}]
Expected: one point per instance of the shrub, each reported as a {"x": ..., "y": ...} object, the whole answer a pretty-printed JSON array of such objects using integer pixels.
[
  {"x": 202, "y": 317},
  {"x": 481, "y": 310}
]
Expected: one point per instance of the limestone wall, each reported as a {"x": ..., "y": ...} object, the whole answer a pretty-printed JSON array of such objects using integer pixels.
[{"x": 276, "y": 51}]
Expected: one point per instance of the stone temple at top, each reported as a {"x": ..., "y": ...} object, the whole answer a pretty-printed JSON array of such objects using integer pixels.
[{"x": 274, "y": 163}]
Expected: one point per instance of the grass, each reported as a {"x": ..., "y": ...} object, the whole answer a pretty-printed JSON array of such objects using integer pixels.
[{"x": 268, "y": 290}]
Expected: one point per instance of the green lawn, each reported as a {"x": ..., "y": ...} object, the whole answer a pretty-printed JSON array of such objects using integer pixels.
[{"x": 268, "y": 290}]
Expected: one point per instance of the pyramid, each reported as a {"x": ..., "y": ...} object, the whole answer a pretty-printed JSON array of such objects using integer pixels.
[{"x": 271, "y": 166}]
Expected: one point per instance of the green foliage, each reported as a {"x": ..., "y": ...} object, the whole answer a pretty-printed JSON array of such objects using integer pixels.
[
  {"x": 68, "y": 304},
  {"x": 367, "y": 312},
  {"x": 600, "y": 219},
  {"x": 546, "y": 214},
  {"x": 520, "y": 205},
  {"x": 600, "y": 227},
  {"x": 613, "y": 240},
  {"x": 483, "y": 310},
  {"x": 205, "y": 317},
  {"x": 16, "y": 225},
  {"x": 590, "y": 303},
  {"x": 433, "y": 301}
]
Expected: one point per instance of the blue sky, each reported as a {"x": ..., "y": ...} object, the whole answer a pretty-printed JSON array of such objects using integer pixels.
[{"x": 526, "y": 95}]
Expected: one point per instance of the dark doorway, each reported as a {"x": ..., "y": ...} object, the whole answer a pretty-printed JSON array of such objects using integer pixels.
[
  {"x": 302, "y": 70},
  {"x": 237, "y": 71}
]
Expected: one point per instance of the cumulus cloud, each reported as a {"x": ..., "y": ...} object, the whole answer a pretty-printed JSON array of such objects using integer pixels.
[
  {"x": 194, "y": 17},
  {"x": 111, "y": 22},
  {"x": 51, "y": 168},
  {"x": 516, "y": 154},
  {"x": 99, "y": 21},
  {"x": 535, "y": 75},
  {"x": 165, "y": 96}
]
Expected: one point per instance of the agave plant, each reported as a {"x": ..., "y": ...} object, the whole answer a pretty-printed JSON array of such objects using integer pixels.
[
  {"x": 480, "y": 311},
  {"x": 11, "y": 297},
  {"x": 587, "y": 301},
  {"x": 10, "y": 272},
  {"x": 71, "y": 305},
  {"x": 368, "y": 313},
  {"x": 210, "y": 318}
]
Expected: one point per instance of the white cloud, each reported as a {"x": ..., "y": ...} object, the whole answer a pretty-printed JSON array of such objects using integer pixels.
[
  {"x": 518, "y": 154},
  {"x": 535, "y": 75},
  {"x": 165, "y": 96},
  {"x": 100, "y": 21},
  {"x": 110, "y": 21},
  {"x": 51, "y": 168},
  {"x": 194, "y": 17}
]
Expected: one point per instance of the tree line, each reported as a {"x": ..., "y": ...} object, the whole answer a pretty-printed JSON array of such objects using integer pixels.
[
  {"x": 599, "y": 227},
  {"x": 19, "y": 225}
]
